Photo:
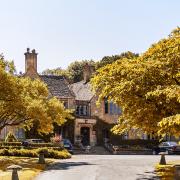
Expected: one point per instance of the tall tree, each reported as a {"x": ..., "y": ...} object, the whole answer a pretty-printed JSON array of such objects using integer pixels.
[
  {"x": 147, "y": 88},
  {"x": 24, "y": 101},
  {"x": 75, "y": 69}
]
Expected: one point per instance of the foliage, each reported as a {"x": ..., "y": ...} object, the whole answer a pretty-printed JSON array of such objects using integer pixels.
[
  {"x": 147, "y": 88},
  {"x": 30, "y": 167},
  {"x": 10, "y": 137},
  {"x": 75, "y": 69},
  {"x": 74, "y": 72},
  {"x": 24, "y": 101},
  {"x": 165, "y": 172},
  {"x": 110, "y": 59},
  {"x": 58, "y": 72},
  {"x": 49, "y": 153},
  {"x": 31, "y": 145},
  {"x": 8, "y": 66}
]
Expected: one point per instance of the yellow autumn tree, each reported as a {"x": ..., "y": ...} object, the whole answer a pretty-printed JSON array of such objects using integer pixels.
[
  {"x": 24, "y": 101},
  {"x": 147, "y": 88}
]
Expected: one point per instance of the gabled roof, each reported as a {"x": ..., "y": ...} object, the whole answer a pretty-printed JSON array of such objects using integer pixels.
[
  {"x": 58, "y": 86},
  {"x": 82, "y": 91}
]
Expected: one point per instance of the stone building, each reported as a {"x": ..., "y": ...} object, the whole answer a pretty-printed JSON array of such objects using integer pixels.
[
  {"x": 78, "y": 96},
  {"x": 91, "y": 123}
]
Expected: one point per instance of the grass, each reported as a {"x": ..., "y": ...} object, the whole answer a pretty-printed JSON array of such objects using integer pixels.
[
  {"x": 166, "y": 172},
  {"x": 30, "y": 167}
]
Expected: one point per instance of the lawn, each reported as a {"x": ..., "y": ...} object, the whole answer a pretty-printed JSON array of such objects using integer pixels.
[{"x": 30, "y": 167}]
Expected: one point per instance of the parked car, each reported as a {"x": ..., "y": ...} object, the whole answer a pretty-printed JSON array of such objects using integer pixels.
[
  {"x": 170, "y": 147},
  {"x": 68, "y": 145}
]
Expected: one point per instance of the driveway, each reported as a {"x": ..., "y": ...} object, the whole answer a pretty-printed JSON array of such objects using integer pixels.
[{"x": 104, "y": 167}]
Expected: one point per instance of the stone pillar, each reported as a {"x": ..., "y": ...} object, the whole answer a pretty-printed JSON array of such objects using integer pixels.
[
  {"x": 41, "y": 158},
  {"x": 162, "y": 160}
]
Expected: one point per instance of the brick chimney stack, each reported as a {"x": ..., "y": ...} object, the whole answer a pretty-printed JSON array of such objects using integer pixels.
[
  {"x": 87, "y": 72},
  {"x": 31, "y": 63}
]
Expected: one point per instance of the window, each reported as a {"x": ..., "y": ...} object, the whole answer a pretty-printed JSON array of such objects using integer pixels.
[
  {"x": 66, "y": 105},
  {"x": 85, "y": 110},
  {"x": 82, "y": 110},
  {"x": 114, "y": 109},
  {"x": 77, "y": 110},
  {"x": 111, "y": 107}
]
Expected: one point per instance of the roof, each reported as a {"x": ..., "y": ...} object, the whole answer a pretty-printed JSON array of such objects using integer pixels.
[
  {"x": 82, "y": 91},
  {"x": 57, "y": 85}
]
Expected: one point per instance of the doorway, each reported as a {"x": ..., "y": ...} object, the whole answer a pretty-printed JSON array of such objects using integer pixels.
[{"x": 85, "y": 134}]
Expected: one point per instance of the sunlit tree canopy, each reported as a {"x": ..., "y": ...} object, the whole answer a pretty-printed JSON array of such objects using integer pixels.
[{"x": 147, "y": 88}]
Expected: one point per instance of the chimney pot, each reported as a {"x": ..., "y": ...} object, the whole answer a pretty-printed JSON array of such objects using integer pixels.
[{"x": 31, "y": 62}]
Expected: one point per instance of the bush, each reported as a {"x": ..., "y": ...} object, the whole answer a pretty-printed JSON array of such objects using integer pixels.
[
  {"x": 134, "y": 142},
  {"x": 3, "y": 144},
  {"x": 49, "y": 153},
  {"x": 10, "y": 137},
  {"x": 32, "y": 145},
  {"x": 165, "y": 171}
]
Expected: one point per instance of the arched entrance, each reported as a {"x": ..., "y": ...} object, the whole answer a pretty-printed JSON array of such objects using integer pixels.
[{"x": 85, "y": 134}]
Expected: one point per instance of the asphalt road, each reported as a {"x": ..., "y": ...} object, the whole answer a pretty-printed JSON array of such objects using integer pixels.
[{"x": 105, "y": 167}]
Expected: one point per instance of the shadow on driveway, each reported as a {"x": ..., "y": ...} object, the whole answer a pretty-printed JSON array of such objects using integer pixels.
[
  {"x": 148, "y": 176},
  {"x": 66, "y": 165}
]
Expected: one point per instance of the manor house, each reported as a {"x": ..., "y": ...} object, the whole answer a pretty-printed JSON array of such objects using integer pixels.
[{"x": 92, "y": 123}]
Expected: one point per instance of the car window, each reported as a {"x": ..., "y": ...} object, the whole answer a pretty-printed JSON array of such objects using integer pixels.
[
  {"x": 66, "y": 141},
  {"x": 173, "y": 143},
  {"x": 165, "y": 144},
  {"x": 162, "y": 144}
]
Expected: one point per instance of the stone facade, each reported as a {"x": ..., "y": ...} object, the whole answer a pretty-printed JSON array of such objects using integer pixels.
[{"x": 77, "y": 96}]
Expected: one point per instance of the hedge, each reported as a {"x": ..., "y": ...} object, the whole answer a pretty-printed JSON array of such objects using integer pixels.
[
  {"x": 135, "y": 142},
  {"x": 30, "y": 148},
  {"x": 38, "y": 145},
  {"x": 49, "y": 153}
]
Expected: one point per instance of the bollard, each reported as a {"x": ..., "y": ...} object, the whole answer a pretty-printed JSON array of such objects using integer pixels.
[
  {"x": 14, "y": 169},
  {"x": 41, "y": 158},
  {"x": 162, "y": 160}
]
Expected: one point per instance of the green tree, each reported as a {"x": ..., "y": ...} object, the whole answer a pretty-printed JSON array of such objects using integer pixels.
[
  {"x": 58, "y": 72},
  {"x": 147, "y": 88},
  {"x": 75, "y": 69},
  {"x": 110, "y": 59}
]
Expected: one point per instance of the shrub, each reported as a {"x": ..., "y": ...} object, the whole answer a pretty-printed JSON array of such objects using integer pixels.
[
  {"x": 49, "y": 153},
  {"x": 2, "y": 144},
  {"x": 10, "y": 137},
  {"x": 165, "y": 171}
]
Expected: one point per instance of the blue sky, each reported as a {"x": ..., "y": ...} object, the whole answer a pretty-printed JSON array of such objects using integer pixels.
[{"x": 66, "y": 30}]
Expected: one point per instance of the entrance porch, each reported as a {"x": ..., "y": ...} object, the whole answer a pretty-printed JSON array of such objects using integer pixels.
[{"x": 84, "y": 132}]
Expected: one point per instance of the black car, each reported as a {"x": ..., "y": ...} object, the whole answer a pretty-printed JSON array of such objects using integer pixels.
[
  {"x": 170, "y": 147},
  {"x": 68, "y": 145}
]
